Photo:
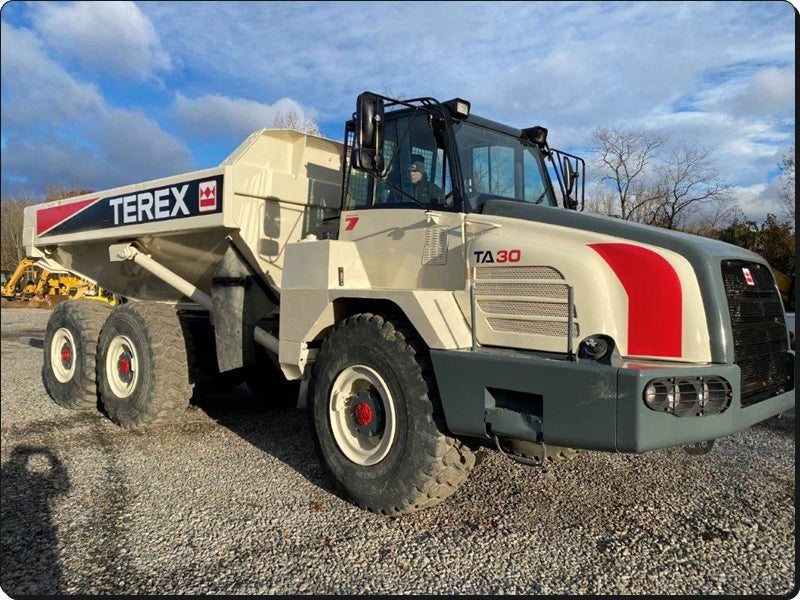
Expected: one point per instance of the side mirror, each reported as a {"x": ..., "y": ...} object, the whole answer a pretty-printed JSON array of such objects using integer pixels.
[
  {"x": 369, "y": 133},
  {"x": 570, "y": 170},
  {"x": 569, "y": 176}
]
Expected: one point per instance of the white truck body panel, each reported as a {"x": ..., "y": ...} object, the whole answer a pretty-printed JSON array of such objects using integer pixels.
[{"x": 275, "y": 188}]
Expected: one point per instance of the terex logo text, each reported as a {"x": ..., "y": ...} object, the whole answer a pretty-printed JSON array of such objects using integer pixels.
[{"x": 163, "y": 203}]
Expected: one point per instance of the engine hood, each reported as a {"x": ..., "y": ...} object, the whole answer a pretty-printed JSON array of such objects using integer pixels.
[
  {"x": 691, "y": 246},
  {"x": 703, "y": 256}
]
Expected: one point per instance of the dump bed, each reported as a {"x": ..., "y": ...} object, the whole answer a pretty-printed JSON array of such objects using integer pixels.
[{"x": 277, "y": 187}]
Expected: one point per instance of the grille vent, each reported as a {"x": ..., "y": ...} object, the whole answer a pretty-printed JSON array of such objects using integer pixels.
[
  {"x": 434, "y": 251},
  {"x": 517, "y": 273},
  {"x": 760, "y": 343},
  {"x": 530, "y": 300}
]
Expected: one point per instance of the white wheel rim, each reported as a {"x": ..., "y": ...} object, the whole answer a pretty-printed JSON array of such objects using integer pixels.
[
  {"x": 62, "y": 355},
  {"x": 122, "y": 366},
  {"x": 351, "y": 388}
]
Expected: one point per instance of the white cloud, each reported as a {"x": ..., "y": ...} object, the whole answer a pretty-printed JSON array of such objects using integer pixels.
[
  {"x": 35, "y": 88},
  {"x": 759, "y": 200},
  {"x": 59, "y": 131},
  {"x": 113, "y": 38},
  {"x": 232, "y": 119},
  {"x": 587, "y": 62},
  {"x": 771, "y": 90},
  {"x": 111, "y": 148}
]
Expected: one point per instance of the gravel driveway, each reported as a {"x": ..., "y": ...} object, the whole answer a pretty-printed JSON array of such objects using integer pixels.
[{"x": 231, "y": 500}]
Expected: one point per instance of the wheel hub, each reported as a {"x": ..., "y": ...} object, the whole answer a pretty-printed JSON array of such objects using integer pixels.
[
  {"x": 362, "y": 415},
  {"x": 124, "y": 370},
  {"x": 66, "y": 355},
  {"x": 63, "y": 355},
  {"x": 367, "y": 414}
]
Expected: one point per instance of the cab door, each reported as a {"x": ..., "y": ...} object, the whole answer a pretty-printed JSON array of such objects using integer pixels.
[{"x": 406, "y": 240}]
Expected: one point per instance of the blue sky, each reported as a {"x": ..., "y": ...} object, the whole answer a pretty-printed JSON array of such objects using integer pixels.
[{"x": 101, "y": 94}]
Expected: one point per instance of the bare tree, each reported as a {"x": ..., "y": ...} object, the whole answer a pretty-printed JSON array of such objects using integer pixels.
[
  {"x": 624, "y": 157},
  {"x": 293, "y": 120},
  {"x": 647, "y": 179},
  {"x": 786, "y": 189},
  {"x": 688, "y": 183},
  {"x": 54, "y": 193},
  {"x": 602, "y": 201},
  {"x": 11, "y": 214},
  {"x": 708, "y": 220}
]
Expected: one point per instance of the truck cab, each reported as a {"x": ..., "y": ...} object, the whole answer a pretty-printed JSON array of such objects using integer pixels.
[{"x": 544, "y": 322}]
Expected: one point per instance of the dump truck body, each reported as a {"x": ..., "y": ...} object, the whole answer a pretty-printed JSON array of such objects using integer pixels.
[
  {"x": 276, "y": 187},
  {"x": 485, "y": 315}
]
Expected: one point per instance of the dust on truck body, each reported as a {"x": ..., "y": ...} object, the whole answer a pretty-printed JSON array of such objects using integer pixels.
[{"x": 493, "y": 314}]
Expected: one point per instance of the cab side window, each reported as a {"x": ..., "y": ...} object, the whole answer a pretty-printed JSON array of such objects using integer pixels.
[{"x": 416, "y": 170}]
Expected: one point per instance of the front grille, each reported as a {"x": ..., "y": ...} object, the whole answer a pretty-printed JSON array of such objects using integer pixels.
[{"x": 760, "y": 342}]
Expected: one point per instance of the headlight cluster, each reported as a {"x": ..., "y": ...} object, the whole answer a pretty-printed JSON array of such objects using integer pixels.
[{"x": 688, "y": 397}]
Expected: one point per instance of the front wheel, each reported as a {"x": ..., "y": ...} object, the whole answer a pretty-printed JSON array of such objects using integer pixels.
[{"x": 378, "y": 424}]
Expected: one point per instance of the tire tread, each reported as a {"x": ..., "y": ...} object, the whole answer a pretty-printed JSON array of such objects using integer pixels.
[
  {"x": 88, "y": 317},
  {"x": 451, "y": 461},
  {"x": 171, "y": 390}
]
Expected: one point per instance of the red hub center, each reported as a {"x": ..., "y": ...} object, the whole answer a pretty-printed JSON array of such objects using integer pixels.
[
  {"x": 66, "y": 355},
  {"x": 363, "y": 413},
  {"x": 125, "y": 367}
]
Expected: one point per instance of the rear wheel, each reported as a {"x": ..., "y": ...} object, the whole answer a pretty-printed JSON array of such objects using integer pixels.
[
  {"x": 70, "y": 349},
  {"x": 378, "y": 424},
  {"x": 142, "y": 365}
]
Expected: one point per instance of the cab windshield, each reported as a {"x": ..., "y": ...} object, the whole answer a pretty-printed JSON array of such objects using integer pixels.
[{"x": 496, "y": 165}]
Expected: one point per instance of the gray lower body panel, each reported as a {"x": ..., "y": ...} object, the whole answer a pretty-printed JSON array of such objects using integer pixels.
[{"x": 580, "y": 404}]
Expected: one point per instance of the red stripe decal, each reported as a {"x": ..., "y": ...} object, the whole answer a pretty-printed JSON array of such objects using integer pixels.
[
  {"x": 655, "y": 307},
  {"x": 47, "y": 218}
]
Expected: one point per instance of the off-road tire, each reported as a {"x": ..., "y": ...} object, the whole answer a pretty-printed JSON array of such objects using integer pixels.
[
  {"x": 70, "y": 352},
  {"x": 411, "y": 462},
  {"x": 532, "y": 452},
  {"x": 143, "y": 374}
]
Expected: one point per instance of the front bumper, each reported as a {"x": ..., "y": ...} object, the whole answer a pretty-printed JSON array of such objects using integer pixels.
[{"x": 581, "y": 404}]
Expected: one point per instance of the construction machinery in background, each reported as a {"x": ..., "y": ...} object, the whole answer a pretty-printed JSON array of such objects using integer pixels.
[
  {"x": 32, "y": 286},
  {"x": 491, "y": 314},
  {"x": 786, "y": 286}
]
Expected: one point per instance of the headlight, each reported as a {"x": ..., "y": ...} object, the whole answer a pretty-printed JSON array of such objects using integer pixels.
[
  {"x": 660, "y": 395},
  {"x": 600, "y": 348},
  {"x": 718, "y": 395},
  {"x": 688, "y": 397}
]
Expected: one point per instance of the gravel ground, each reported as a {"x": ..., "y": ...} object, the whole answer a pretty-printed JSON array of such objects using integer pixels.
[{"x": 231, "y": 500}]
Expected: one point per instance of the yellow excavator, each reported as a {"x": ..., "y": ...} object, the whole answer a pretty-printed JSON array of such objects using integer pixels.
[
  {"x": 786, "y": 288},
  {"x": 31, "y": 285}
]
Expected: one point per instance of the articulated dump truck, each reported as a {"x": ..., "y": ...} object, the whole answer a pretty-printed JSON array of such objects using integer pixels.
[{"x": 486, "y": 313}]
